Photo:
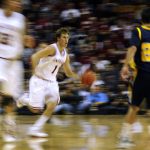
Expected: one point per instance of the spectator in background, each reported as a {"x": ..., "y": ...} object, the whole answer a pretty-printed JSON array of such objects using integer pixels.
[
  {"x": 70, "y": 99},
  {"x": 70, "y": 16},
  {"x": 96, "y": 97},
  {"x": 28, "y": 51}
]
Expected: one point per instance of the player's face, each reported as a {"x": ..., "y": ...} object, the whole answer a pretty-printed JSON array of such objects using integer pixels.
[
  {"x": 63, "y": 40},
  {"x": 14, "y": 5}
]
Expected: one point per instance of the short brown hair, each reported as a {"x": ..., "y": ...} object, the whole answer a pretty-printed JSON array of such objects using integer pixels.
[{"x": 61, "y": 31}]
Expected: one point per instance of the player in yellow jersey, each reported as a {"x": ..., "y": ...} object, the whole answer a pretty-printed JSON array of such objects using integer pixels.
[{"x": 139, "y": 51}]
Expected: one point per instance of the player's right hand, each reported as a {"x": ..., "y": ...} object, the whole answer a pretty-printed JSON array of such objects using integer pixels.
[{"x": 125, "y": 73}]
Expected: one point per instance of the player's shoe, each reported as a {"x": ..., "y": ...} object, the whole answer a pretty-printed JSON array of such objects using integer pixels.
[
  {"x": 36, "y": 133},
  {"x": 9, "y": 138},
  {"x": 137, "y": 128},
  {"x": 125, "y": 143}
]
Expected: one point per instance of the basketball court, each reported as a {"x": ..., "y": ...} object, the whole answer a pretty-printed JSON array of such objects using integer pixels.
[{"x": 77, "y": 132}]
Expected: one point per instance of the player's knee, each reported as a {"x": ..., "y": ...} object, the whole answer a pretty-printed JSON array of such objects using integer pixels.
[
  {"x": 51, "y": 104},
  {"x": 51, "y": 101}
]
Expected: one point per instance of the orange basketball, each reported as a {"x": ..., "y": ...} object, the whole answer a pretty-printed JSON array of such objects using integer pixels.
[{"x": 88, "y": 78}]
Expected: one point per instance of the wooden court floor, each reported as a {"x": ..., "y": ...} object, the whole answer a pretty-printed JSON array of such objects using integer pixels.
[{"x": 77, "y": 132}]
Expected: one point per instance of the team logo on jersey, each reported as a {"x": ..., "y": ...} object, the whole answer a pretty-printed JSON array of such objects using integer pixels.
[{"x": 58, "y": 60}]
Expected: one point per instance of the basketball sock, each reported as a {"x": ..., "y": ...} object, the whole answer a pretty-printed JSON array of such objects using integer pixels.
[
  {"x": 40, "y": 122},
  {"x": 9, "y": 118},
  {"x": 9, "y": 124},
  {"x": 126, "y": 131}
]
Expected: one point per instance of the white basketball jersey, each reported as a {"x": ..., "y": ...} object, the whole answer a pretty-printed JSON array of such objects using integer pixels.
[
  {"x": 11, "y": 34},
  {"x": 49, "y": 66}
]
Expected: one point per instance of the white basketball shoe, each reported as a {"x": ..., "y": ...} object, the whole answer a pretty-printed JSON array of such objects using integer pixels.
[
  {"x": 137, "y": 127},
  {"x": 125, "y": 143}
]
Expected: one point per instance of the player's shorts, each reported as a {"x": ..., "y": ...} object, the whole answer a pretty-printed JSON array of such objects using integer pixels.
[
  {"x": 11, "y": 77},
  {"x": 41, "y": 92},
  {"x": 141, "y": 88}
]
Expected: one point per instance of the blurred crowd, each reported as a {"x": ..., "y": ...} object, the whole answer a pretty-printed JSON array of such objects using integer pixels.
[{"x": 100, "y": 32}]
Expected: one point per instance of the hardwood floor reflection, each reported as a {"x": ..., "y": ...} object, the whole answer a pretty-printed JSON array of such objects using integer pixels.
[{"x": 77, "y": 132}]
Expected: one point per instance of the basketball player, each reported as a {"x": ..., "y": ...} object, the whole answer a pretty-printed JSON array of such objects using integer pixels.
[
  {"x": 12, "y": 26},
  {"x": 43, "y": 86},
  {"x": 139, "y": 50}
]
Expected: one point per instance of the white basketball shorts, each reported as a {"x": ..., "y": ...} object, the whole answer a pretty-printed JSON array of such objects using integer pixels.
[
  {"x": 11, "y": 77},
  {"x": 41, "y": 92}
]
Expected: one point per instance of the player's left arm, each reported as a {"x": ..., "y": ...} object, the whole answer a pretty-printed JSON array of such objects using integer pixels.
[{"x": 68, "y": 70}]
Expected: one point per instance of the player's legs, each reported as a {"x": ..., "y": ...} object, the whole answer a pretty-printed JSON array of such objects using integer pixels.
[
  {"x": 131, "y": 115},
  {"x": 125, "y": 137},
  {"x": 42, "y": 93},
  {"x": 36, "y": 129},
  {"x": 136, "y": 126},
  {"x": 138, "y": 94},
  {"x": 9, "y": 124},
  {"x": 8, "y": 101}
]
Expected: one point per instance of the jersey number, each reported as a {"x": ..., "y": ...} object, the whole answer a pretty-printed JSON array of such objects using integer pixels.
[
  {"x": 54, "y": 69},
  {"x": 5, "y": 39}
]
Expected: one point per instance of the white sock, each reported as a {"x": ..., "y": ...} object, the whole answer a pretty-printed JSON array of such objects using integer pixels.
[
  {"x": 126, "y": 130},
  {"x": 10, "y": 119},
  {"x": 9, "y": 124},
  {"x": 40, "y": 122}
]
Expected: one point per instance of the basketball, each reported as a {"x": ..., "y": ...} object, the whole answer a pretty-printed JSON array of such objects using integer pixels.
[{"x": 88, "y": 78}]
